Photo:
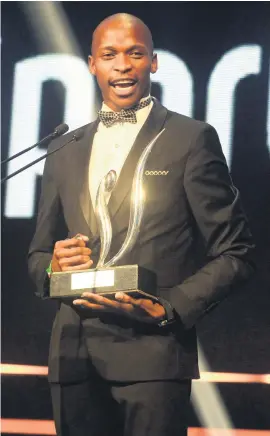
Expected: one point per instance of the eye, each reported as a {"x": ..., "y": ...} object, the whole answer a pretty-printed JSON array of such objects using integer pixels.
[
  {"x": 107, "y": 56},
  {"x": 136, "y": 54}
]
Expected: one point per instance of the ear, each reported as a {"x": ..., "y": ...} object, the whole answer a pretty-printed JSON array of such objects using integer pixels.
[
  {"x": 91, "y": 65},
  {"x": 154, "y": 64}
]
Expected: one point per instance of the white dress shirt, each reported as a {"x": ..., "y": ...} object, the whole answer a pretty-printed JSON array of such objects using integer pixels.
[{"x": 111, "y": 146}]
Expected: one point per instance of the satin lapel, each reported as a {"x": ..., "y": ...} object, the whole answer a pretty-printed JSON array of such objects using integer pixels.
[
  {"x": 83, "y": 176},
  {"x": 150, "y": 129}
]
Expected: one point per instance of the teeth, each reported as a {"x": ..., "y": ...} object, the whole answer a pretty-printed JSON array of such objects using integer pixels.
[{"x": 124, "y": 83}]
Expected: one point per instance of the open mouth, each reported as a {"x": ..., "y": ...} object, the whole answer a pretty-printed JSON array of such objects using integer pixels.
[
  {"x": 123, "y": 83},
  {"x": 123, "y": 86}
]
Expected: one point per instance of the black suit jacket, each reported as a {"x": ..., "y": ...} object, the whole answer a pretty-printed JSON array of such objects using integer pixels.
[{"x": 194, "y": 201}]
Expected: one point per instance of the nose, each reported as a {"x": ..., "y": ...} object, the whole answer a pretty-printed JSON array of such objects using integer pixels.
[{"x": 122, "y": 63}]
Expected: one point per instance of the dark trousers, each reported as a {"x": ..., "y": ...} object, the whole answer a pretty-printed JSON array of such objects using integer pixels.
[{"x": 101, "y": 408}]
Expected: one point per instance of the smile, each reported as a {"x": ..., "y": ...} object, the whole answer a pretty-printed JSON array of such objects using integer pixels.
[
  {"x": 123, "y": 88},
  {"x": 123, "y": 83}
]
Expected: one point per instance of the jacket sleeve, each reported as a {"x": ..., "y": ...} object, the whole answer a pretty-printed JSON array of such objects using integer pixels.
[
  {"x": 50, "y": 227},
  {"x": 216, "y": 207}
]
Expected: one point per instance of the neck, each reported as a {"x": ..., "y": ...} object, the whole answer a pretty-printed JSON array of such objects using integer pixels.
[{"x": 118, "y": 108}]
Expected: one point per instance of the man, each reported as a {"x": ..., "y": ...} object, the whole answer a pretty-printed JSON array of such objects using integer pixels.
[{"x": 123, "y": 366}]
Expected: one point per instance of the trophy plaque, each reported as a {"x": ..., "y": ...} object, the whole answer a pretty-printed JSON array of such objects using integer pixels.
[{"x": 106, "y": 278}]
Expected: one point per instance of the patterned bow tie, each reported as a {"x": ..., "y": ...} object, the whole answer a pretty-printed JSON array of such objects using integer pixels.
[{"x": 124, "y": 116}]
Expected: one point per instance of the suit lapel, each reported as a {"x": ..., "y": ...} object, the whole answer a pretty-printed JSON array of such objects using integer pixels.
[
  {"x": 83, "y": 177},
  {"x": 150, "y": 129}
]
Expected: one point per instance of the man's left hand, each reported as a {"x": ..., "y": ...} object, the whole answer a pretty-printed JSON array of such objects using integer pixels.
[{"x": 142, "y": 309}]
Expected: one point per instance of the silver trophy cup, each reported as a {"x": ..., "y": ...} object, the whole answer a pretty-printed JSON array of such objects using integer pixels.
[{"x": 107, "y": 278}]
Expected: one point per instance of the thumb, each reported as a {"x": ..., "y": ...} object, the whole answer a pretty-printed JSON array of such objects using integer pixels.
[{"x": 82, "y": 237}]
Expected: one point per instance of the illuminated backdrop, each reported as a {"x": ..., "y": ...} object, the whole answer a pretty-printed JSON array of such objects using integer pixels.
[{"x": 214, "y": 65}]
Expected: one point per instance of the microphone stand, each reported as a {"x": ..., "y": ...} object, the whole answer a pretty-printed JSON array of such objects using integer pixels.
[
  {"x": 78, "y": 135},
  {"x": 58, "y": 131}
]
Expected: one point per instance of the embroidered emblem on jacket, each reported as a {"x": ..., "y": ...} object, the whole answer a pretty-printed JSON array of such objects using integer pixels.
[{"x": 156, "y": 173}]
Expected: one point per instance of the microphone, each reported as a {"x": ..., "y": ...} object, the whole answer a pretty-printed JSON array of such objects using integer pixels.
[
  {"x": 58, "y": 131},
  {"x": 75, "y": 137}
]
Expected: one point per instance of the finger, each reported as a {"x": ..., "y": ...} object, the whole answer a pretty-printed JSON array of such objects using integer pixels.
[
  {"x": 74, "y": 260},
  {"x": 97, "y": 298},
  {"x": 126, "y": 298},
  {"x": 70, "y": 252},
  {"x": 141, "y": 307},
  {"x": 72, "y": 242},
  {"x": 88, "y": 305},
  {"x": 84, "y": 266},
  {"x": 123, "y": 297},
  {"x": 108, "y": 303},
  {"x": 96, "y": 301}
]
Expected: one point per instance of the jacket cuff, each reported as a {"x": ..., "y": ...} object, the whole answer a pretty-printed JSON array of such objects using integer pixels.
[{"x": 169, "y": 316}]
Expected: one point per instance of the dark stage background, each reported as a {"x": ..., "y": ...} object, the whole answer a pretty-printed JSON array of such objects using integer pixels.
[{"x": 214, "y": 66}]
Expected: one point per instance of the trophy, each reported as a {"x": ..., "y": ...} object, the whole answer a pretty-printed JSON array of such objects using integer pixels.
[{"x": 106, "y": 278}]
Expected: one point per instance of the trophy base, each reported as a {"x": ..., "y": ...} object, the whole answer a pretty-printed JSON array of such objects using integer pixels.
[{"x": 132, "y": 279}]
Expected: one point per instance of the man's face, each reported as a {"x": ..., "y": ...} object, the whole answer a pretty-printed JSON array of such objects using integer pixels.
[{"x": 122, "y": 61}]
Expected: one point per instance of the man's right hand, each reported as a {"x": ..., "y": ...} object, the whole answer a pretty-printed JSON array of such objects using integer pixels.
[{"x": 71, "y": 254}]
